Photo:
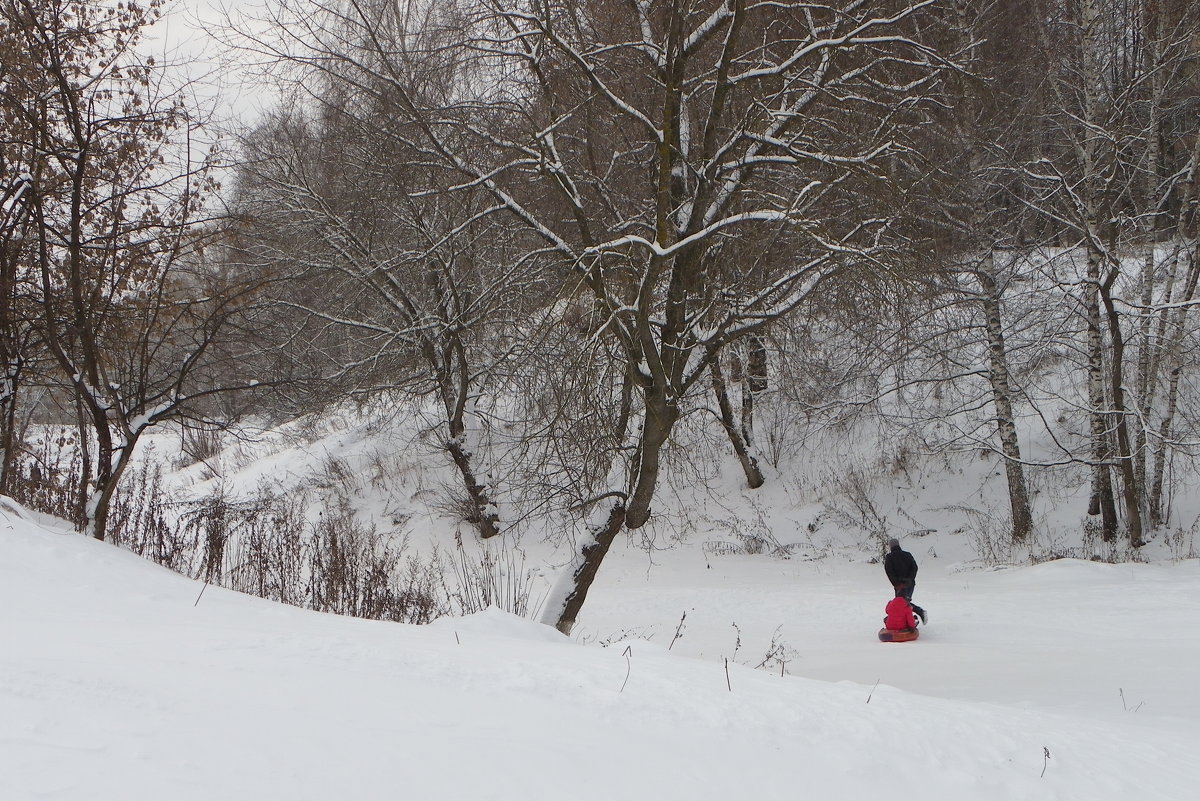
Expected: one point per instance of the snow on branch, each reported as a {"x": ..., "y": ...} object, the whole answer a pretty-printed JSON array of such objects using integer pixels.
[{"x": 666, "y": 251}]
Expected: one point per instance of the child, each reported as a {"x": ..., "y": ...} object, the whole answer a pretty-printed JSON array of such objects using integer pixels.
[{"x": 899, "y": 614}]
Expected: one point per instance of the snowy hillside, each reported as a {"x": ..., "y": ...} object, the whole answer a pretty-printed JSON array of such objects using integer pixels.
[{"x": 1065, "y": 681}]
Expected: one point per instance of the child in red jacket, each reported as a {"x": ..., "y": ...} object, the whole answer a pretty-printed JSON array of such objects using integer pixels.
[{"x": 899, "y": 614}]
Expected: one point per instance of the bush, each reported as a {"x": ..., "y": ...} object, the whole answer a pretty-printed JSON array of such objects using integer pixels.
[
  {"x": 496, "y": 577},
  {"x": 265, "y": 546},
  {"x": 45, "y": 475}
]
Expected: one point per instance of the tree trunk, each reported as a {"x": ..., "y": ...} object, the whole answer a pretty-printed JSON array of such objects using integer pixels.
[
  {"x": 1145, "y": 381},
  {"x": 1102, "y": 501},
  {"x": 11, "y": 363},
  {"x": 14, "y": 233},
  {"x": 1157, "y": 480},
  {"x": 1149, "y": 225},
  {"x": 485, "y": 517},
  {"x": 568, "y": 595},
  {"x": 1135, "y": 513},
  {"x": 1001, "y": 381},
  {"x": 80, "y": 501},
  {"x": 104, "y": 482},
  {"x": 755, "y": 382},
  {"x": 1187, "y": 229},
  {"x": 1158, "y": 356},
  {"x": 661, "y": 414},
  {"x": 736, "y": 433},
  {"x": 450, "y": 364},
  {"x": 583, "y": 570},
  {"x": 748, "y": 425},
  {"x": 9, "y": 382},
  {"x": 1174, "y": 360}
]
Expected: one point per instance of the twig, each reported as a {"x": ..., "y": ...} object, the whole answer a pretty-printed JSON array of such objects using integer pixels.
[
  {"x": 678, "y": 631},
  {"x": 727, "y": 683},
  {"x": 1045, "y": 761},
  {"x": 1123, "y": 705},
  {"x": 777, "y": 652},
  {"x": 628, "y": 665},
  {"x": 872, "y": 691},
  {"x": 202, "y": 589}
]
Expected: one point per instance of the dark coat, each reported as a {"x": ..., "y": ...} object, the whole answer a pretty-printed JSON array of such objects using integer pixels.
[{"x": 900, "y": 567}]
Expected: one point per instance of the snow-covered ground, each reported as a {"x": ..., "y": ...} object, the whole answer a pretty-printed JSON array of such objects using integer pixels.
[{"x": 1068, "y": 680}]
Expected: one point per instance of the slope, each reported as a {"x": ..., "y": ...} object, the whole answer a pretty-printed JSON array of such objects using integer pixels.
[{"x": 116, "y": 684}]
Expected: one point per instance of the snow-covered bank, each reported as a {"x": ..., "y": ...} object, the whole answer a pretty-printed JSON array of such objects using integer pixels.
[
  {"x": 117, "y": 685},
  {"x": 1101, "y": 640}
]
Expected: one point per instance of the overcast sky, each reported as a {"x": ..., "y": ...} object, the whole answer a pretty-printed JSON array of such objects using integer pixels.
[{"x": 189, "y": 37}]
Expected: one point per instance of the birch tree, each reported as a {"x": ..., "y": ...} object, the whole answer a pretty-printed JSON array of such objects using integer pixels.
[
  {"x": 1122, "y": 70},
  {"x": 986, "y": 129},
  {"x": 1169, "y": 98}
]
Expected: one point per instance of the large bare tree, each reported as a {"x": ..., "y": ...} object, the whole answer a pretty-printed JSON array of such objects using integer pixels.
[
  {"x": 701, "y": 166},
  {"x": 111, "y": 202},
  {"x": 710, "y": 156}
]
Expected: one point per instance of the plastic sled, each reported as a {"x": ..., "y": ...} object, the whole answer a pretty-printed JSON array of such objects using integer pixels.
[{"x": 887, "y": 635}]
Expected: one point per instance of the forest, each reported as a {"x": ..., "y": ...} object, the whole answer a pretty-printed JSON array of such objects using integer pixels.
[{"x": 588, "y": 243}]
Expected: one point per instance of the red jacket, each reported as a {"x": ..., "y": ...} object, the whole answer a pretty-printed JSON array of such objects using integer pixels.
[{"x": 899, "y": 615}]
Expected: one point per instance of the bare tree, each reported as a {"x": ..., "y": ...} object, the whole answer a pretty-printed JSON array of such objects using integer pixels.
[
  {"x": 645, "y": 142},
  {"x": 729, "y": 152},
  {"x": 1003, "y": 393},
  {"x": 393, "y": 281},
  {"x": 985, "y": 130},
  {"x": 17, "y": 80},
  {"x": 16, "y": 310},
  {"x": 1169, "y": 87},
  {"x": 1121, "y": 71},
  {"x": 127, "y": 313}
]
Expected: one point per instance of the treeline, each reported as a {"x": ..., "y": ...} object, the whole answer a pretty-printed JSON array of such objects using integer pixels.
[{"x": 578, "y": 227}]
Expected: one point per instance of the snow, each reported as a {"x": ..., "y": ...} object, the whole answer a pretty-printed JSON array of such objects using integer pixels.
[{"x": 115, "y": 683}]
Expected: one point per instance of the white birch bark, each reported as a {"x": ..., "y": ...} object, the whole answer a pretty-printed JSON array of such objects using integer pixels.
[{"x": 1002, "y": 398}]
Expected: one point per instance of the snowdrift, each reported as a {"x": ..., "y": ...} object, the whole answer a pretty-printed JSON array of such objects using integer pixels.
[{"x": 118, "y": 685}]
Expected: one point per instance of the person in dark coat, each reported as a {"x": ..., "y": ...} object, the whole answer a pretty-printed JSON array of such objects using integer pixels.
[{"x": 901, "y": 570}]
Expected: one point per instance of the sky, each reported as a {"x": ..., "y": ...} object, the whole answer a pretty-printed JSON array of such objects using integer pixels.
[{"x": 192, "y": 37}]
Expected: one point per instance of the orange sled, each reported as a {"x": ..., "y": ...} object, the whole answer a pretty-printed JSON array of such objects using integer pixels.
[{"x": 887, "y": 635}]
